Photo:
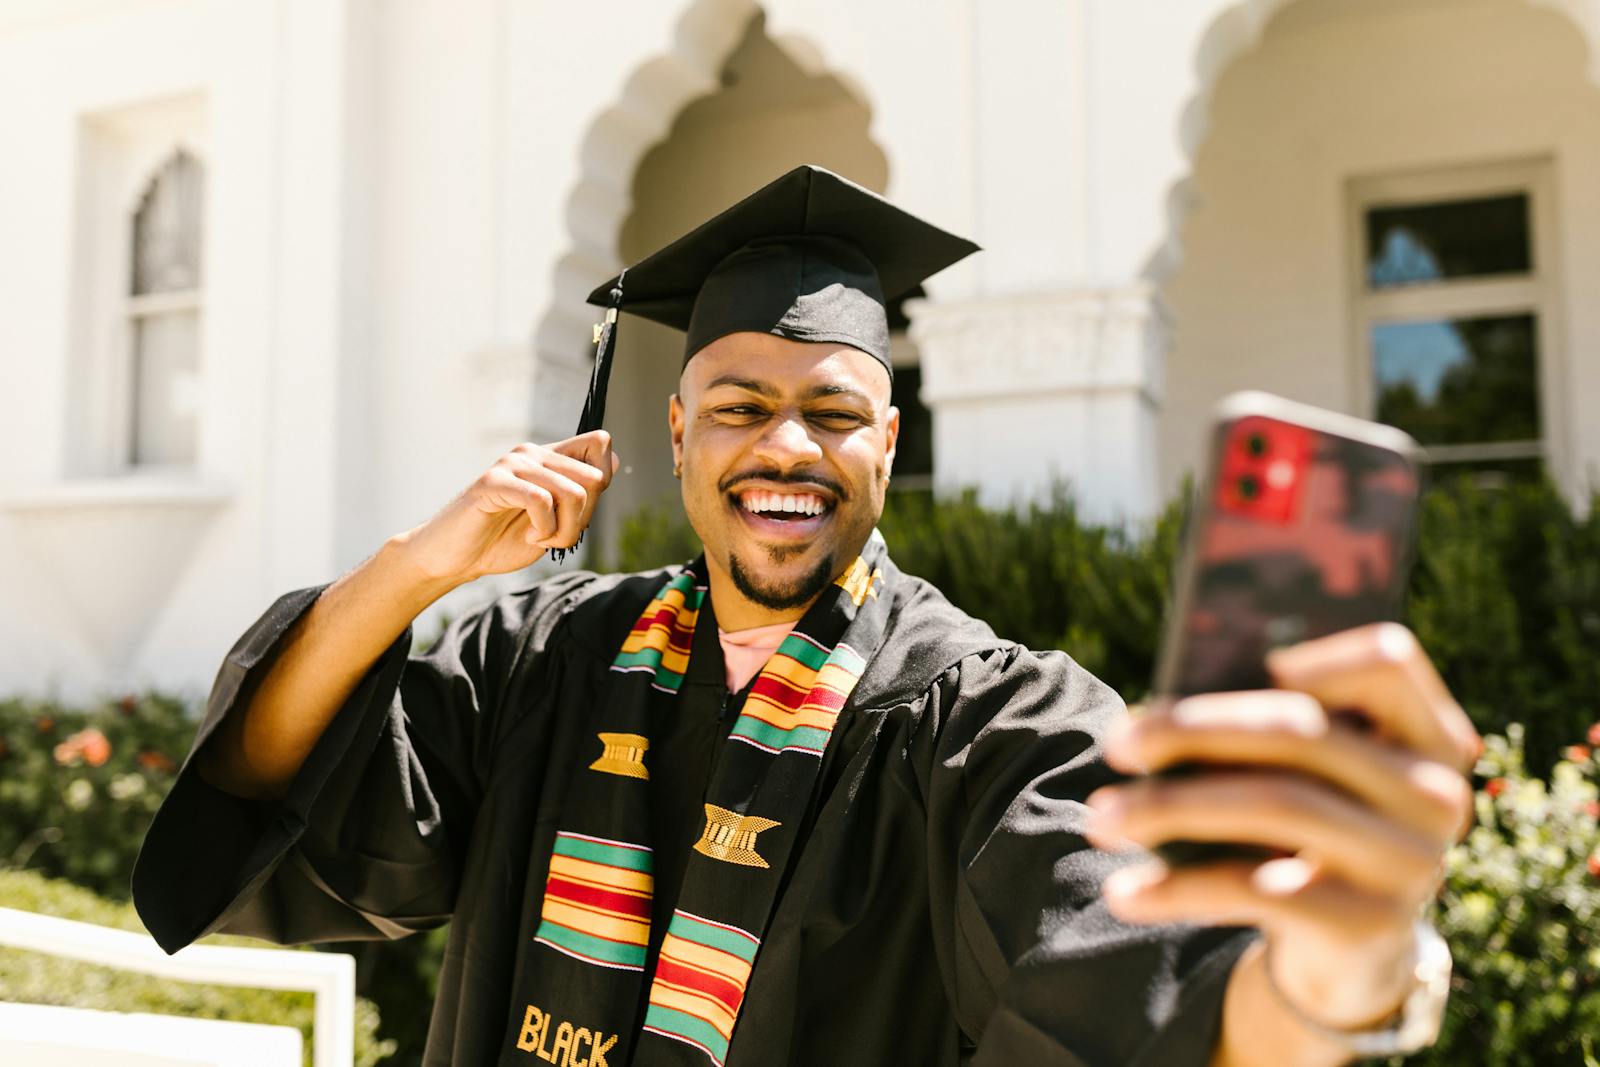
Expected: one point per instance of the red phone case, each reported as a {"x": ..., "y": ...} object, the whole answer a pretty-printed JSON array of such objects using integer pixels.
[{"x": 1303, "y": 526}]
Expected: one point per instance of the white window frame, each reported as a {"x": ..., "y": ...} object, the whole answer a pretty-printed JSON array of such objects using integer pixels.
[
  {"x": 120, "y": 153},
  {"x": 1536, "y": 293}
]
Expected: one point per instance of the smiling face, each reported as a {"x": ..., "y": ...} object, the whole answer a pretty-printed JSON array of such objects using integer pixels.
[{"x": 785, "y": 448}]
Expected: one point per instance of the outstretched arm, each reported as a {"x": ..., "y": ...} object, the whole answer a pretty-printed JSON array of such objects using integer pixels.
[{"x": 1361, "y": 815}]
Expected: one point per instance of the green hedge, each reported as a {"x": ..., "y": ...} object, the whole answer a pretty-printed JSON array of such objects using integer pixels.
[
  {"x": 34, "y": 978},
  {"x": 78, "y": 787},
  {"x": 1505, "y": 595}
]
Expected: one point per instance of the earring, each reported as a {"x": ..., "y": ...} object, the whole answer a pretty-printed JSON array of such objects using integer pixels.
[{"x": 677, "y": 470}]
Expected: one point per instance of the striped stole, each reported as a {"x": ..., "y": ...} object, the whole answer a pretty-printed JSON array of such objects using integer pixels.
[{"x": 588, "y": 969}]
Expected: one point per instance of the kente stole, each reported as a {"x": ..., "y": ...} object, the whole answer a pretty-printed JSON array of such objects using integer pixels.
[{"x": 589, "y": 953}]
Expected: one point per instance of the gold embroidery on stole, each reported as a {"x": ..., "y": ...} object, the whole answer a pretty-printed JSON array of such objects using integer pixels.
[
  {"x": 731, "y": 837},
  {"x": 623, "y": 754}
]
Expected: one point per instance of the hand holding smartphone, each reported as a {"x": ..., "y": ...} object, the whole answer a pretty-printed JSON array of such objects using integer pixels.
[{"x": 1302, "y": 526}]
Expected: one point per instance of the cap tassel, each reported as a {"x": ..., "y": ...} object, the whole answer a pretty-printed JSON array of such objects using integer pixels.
[{"x": 594, "y": 405}]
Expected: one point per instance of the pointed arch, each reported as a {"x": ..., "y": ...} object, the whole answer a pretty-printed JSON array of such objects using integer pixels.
[
  {"x": 1236, "y": 31},
  {"x": 614, "y": 144}
]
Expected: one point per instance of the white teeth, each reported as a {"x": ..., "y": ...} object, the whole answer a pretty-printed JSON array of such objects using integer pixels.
[{"x": 803, "y": 504}]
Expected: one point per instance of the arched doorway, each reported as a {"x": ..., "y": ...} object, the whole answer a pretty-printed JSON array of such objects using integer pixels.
[
  {"x": 1354, "y": 123},
  {"x": 768, "y": 115}
]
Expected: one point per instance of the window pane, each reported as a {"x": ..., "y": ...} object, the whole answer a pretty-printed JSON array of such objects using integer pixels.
[
  {"x": 913, "y": 453},
  {"x": 1460, "y": 381},
  {"x": 1458, "y": 239},
  {"x": 166, "y": 230},
  {"x": 166, "y": 388}
]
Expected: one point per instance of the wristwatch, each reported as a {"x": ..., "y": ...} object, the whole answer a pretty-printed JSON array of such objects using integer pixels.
[{"x": 1415, "y": 1025}]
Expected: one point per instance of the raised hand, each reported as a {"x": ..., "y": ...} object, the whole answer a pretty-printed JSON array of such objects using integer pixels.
[{"x": 533, "y": 498}]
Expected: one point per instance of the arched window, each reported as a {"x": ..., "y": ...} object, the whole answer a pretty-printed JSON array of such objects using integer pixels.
[{"x": 163, "y": 311}]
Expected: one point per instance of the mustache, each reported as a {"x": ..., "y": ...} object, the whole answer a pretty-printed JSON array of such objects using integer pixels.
[{"x": 732, "y": 481}]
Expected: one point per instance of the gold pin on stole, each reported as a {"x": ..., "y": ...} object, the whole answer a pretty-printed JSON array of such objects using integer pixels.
[
  {"x": 858, "y": 582},
  {"x": 624, "y": 755},
  {"x": 731, "y": 837}
]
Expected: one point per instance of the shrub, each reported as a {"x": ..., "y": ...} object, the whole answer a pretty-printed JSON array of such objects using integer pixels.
[
  {"x": 1045, "y": 577},
  {"x": 653, "y": 536},
  {"x": 1519, "y": 908},
  {"x": 78, "y": 788},
  {"x": 34, "y": 978},
  {"x": 1506, "y": 598}
]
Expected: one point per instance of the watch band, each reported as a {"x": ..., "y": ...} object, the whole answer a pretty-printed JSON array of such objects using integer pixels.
[{"x": 1415, "y": 1024}]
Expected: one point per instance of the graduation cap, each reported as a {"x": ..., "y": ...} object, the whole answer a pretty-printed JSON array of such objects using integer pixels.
[{"x": 811, "y": 256}]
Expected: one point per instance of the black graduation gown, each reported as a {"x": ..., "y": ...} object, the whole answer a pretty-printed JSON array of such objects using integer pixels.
[{"x": 942, "y": 907}]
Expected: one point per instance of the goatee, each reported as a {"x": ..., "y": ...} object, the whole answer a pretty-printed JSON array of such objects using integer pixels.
[{"x": 781, "y": 597}]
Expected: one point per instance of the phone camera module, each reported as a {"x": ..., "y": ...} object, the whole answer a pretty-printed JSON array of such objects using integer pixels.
[
  {"x": 1256, "y": 445},
  {"x": 1249, "y": 487}
]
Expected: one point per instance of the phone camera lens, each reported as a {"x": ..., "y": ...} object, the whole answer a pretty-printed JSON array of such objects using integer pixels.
[
  {"x": 1249, "y": 488},
  {"x": 1256, "y": 444}
]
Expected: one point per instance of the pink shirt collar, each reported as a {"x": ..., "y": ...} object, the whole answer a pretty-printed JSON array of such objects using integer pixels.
[{"x": 745, "y": 652}]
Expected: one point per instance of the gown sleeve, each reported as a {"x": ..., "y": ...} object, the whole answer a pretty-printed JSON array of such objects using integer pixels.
[
  {"x": 1038, "y": 969},
  {"x": 368, "y": 839}
]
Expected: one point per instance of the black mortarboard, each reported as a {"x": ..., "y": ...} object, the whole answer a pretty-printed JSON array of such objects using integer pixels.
[{"x": 811, "y": 256}]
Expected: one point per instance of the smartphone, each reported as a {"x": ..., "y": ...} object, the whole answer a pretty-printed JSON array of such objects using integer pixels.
[{"x": 1303, "y": 524}]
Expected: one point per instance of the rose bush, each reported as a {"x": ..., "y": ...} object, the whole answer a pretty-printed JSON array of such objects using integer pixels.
[
  {"x": 1519, "y": 908},
  {"x": 78, "y": 787}
]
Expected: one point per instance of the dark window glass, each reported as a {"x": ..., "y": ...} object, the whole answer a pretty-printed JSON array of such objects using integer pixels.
[
  {"x": 1458, "y": 239},
  {"x": 914, "y": 453},
  {"x": 1459, "y": 381}
]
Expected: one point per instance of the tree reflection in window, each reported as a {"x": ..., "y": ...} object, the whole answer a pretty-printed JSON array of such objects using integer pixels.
[
  {"x": 1459, "y": 381},
  {"x": 1418, "y": 243}
]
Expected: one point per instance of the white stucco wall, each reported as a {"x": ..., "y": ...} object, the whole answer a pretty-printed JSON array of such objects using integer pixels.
[
  {"x": 56, "y": 72},
  {"x": 114, "y": 581}
]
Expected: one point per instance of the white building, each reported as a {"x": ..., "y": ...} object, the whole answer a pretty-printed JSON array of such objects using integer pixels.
[{"x": 278, "y": 277}]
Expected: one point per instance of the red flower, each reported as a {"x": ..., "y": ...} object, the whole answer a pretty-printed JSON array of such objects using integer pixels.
[
  {"x": 1594, "y": 734},
  {"x": 129, "y": 704},
  {"x": 45, "y": 723},
  {"x": 151, "y": 760},
  {"x": 90, "y": 745},
  {"x": 1495, "y": 786},
  {"x": 1594, "y": 864},
  {"x": 1592, "y": 809},
  {"x": 1576, "y": 753}
]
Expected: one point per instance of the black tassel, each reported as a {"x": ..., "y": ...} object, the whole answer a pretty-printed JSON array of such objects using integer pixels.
[
  {"x": 605, "y": 336},
  {"x": 594, "y": 405}
]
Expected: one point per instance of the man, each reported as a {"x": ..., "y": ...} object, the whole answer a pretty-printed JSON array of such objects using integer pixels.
[{"x": 786, "y": 805}]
